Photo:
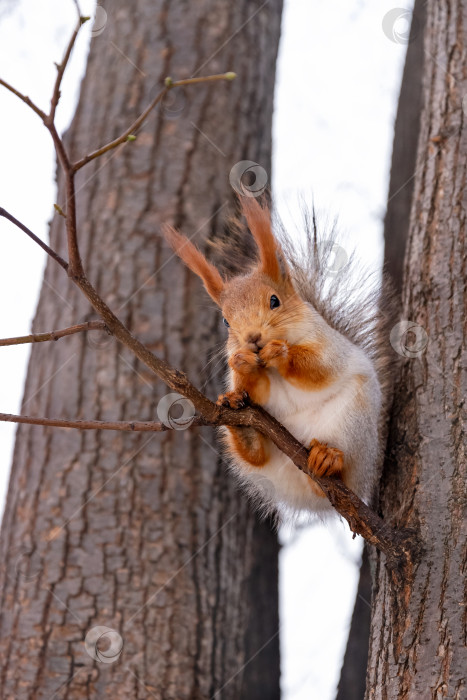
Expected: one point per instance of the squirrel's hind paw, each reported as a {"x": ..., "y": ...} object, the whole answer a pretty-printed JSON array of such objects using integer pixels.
[
  {"x": 324, "y": 460},
  {"x": 233, "y": 399}
]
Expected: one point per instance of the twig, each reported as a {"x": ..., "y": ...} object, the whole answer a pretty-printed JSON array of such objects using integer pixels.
[
  {"x": 54, "y": 335},
  {"x": 25, "y": 99},
  {"x": 136, "y": 124},
  {"x": 61, "y": 70},
  {"x": 169, "y": 83},
  {"x": 74, "y": 266},
  {"x": 35, "y": 238},
  {"x": 130, "y": 426}
]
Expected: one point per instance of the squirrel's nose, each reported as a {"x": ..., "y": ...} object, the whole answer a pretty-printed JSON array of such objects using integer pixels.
[{"x": 253, "y": 338}]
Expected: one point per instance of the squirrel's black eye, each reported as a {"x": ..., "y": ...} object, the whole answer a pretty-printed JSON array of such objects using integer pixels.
[
  {"x": 274, "y": 303},
  {"x": 226, "y": 323}
]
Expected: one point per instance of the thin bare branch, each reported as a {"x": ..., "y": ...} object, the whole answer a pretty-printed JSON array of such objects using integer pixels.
[
  {"x": 128, "y": 426},
  {"x": 193, "y": 81},
  {"x": 60, "y": 71},
  {"x": 25, "y": 99},
  {"x": 35, "y": 238},
  {"x": 59, "y": 147},
  {"x": 136, "y": 124},
  {"x": 75, "y": 266},
  {"x": 54, "y": 335}
]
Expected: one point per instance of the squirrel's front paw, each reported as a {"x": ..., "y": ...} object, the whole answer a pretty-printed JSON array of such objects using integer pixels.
[
  {"x": 233, "y": 399},
  {"x": 244, "y": 361},
  {"x": 324, "y": 460},
  {"x": 275, "y": 353}
]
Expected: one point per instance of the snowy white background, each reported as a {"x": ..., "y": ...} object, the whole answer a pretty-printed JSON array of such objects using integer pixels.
[{"x": 337, "y": 88}]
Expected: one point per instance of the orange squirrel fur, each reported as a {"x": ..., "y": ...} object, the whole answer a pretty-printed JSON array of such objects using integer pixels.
[{"x": 293, "y": 351}]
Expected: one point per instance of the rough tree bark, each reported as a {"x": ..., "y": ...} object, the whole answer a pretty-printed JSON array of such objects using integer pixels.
[
  {"x": 418, "y": 633},
  {"x": 145, "y": 535}
]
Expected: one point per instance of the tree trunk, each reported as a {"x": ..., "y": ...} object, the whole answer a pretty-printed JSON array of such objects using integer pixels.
[
  {"x": 417, "y": 645},
  {"x": 145, "y": 535}
]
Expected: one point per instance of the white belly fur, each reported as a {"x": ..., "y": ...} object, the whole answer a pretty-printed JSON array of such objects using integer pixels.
[{"x": 326, "y": 415}]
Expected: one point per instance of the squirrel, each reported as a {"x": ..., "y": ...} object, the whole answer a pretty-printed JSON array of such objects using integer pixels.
[{"x": 313, "y": 351}]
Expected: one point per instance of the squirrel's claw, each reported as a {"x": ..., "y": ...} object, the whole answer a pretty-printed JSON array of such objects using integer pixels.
[
  {"x": 324, "y": 460},
  {"x": 233, "y": 399}
]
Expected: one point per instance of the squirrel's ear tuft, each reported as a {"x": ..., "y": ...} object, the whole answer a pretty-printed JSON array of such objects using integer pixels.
[
  {"x": 258, "y": 219},
  {"x": 195, "y": 260}
]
